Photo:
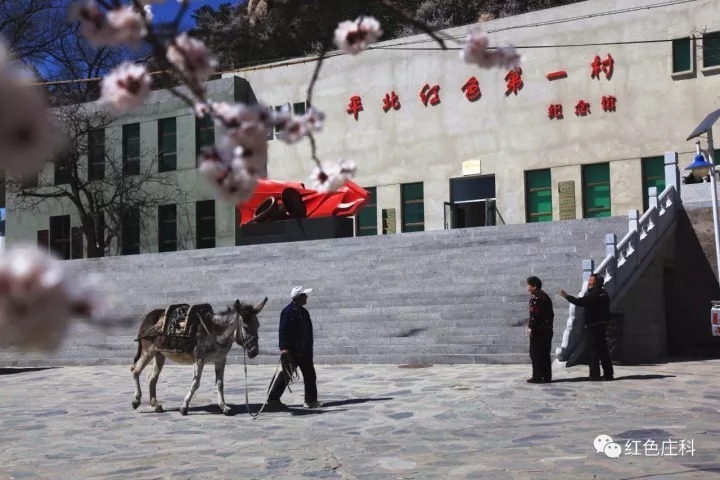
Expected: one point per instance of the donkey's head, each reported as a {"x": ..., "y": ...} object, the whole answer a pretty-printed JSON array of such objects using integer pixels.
[{"x": 246, "y": 334}]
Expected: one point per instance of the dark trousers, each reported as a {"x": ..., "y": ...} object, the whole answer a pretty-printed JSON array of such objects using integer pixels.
[
  {"x": 598, "y": 353},
  {"x": 540, "y": 343},
  {"x": 307, "y": 368}
]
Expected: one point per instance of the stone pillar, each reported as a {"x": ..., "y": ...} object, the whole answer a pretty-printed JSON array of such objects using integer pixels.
[
  {"x": 588, "y": 267},
  {"x": 633, "y": 220},
  {"x": 672, "y": 174}
]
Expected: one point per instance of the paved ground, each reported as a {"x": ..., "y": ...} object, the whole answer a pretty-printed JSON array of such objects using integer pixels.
[{"x": 381, "y": 422}]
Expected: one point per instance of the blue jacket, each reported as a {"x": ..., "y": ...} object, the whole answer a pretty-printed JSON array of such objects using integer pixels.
[{"x": 296, "y": 333}]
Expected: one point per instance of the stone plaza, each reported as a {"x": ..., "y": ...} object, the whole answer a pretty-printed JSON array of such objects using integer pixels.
[{"x": 379, "y": 422}]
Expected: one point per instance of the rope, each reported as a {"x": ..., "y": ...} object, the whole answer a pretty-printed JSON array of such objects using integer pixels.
[{"x": 289, "y": 379}]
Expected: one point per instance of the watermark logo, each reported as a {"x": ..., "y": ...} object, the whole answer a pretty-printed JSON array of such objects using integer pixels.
[
  {"x": 604, "y": 444},
  {"x": 649, "y": 448}
]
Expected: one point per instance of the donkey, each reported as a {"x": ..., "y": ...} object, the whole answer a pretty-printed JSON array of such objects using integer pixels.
[{"x": 215, "y": 337}]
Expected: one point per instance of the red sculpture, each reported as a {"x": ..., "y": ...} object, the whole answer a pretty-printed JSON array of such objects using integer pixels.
[{"x": 274, "y": 200}]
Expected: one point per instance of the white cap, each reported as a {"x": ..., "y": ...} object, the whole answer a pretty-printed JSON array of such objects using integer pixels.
[{"x": 297, "y": 291}]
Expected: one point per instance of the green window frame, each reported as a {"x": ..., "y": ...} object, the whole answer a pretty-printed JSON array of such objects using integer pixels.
[
  {"x": 596, "y": 190},
  {"x": 131, "y": 149},
  {"x": 711, "y": 49},
  {"x": 366, "y": 220},
  {"x": 682, "y": 55},
  {"x": 131, "y": 232},
  {"x": 96, "y": 154},
  {"x": 538, "y": 196},
  {"x": 60, "y": 236},
  {"x": 167, "y": 143},
  {"x": 204, "y": 133},
  {"x": 167, "y": 228},
  {"x": 205, "y": 224},
  {"x": 412, "y": 198},
  {"x": 653, "y": 175},
  {"x": 299, "y": 108}
]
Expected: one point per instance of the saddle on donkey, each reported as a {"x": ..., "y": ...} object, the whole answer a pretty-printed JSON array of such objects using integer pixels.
[{"x": 176, "y": 330}]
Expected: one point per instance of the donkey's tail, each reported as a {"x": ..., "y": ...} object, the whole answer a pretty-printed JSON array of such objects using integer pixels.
[{"x": 137, "y": 355}]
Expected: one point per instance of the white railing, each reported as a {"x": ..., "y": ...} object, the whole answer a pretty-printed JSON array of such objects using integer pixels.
[{"x": 623, "y": 260}]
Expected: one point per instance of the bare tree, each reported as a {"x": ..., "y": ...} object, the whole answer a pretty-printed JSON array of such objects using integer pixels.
[{"x": 107, "y": 190}]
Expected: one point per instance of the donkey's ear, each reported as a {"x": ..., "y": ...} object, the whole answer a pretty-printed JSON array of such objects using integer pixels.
[
  {"x": 258, "y": 308},
  {"x": 237, "y": 306}
]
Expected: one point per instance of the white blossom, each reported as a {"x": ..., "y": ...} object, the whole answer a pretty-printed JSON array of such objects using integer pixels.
[
  {"x": 123, "y": 25},
  {"x": 354, "y": 37},
  {"x": 148, "y": 13},
  {"x": 38, "y": 299},
  {"x": 126, "y": 87},
  {"x": 28, "y": 137},
  {"x": 477, "y": 51},
  {"x": 296, "y": 128},
  {"x": 192, "y": 57},
  {"x": 246, "y": 127},
  {"x": 200, "y": 110},
  {"x": 332, "y": 176},
  {"x": 228, "y": 172}
]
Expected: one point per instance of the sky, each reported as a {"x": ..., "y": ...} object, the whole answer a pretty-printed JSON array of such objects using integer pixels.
[{"x": 167, "y": 11}]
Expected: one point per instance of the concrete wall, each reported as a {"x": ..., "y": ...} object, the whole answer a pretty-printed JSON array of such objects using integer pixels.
[{"x": 509, "y": 134}]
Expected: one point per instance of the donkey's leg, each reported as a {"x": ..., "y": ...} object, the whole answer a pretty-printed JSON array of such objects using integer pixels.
[
  {"x": 219, "y": 374},
  {"x": 199, "y": 364},
  {"x": 136, "y": 371},
  {"x": 157, "y": 368}
]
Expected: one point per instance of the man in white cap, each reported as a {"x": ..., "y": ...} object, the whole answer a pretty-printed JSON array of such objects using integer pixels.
[{"x": 296, "y": 343}]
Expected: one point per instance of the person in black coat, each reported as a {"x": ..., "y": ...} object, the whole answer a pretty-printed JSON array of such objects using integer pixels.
[
  {"x": 540, "y": 330},
  {"x": 295, "y": 338},
  {"x": 596, "y": 304}
]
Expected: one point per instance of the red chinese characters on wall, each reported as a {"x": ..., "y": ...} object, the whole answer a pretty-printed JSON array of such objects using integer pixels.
[
  {"x": 555, "y": 111},
  {"x": 355, "y": 106},
  {"x": 556, "y": 75},
  {"x": 471, "y": 89},
  {"x": 582, "y": 108},
  {"x": 391, "y": 100},
  {"x": 430, "y": 95},
  {"x": 514, "y": 81},
  {"x": 605, "y": 66},
  {"x": 608, "y": 103}
]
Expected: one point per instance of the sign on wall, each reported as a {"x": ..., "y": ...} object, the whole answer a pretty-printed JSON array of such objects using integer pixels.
[
  {"x": 566, "y": 202},
  {"x": 471, "y": 167}
]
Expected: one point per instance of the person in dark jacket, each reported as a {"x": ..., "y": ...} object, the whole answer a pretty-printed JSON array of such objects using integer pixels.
[
  {"x": 296, "y": 344},
  {"x": 596, "y": 304},
  {"x": 540, "y": 330}
]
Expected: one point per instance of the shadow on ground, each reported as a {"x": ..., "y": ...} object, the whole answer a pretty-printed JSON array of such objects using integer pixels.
[
  {"x": 213, "y": 409},
  {"x": 626, "y": 377},
  {"x": 12, "y": 371}
]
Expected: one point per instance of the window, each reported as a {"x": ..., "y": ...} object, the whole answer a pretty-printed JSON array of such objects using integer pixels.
[
  {"x": 711, "y": 49},
  {"x": 596, "y": 190},
  {"x": 131, "y": 149},
  {"x": 204, "y": 133},
  {"x": 299, "y": 108},
  {"x": 131, "y": 232},
  {"x": 97, "y": 249},
  {"x": 682, "y": 55},
  {"x": 280, "y": 108},
  {"x": 29, "y": 181},
  {"x": 96, "y": 154},
  {"x": 538, "y": 196},
  {"x": 413, "y": 207},
  {"x": 367, "y": 218},
  {"x": 653, "y": 175},
  {"x": 205, "y": 223},
  {"x": 167, "y": 142},
  {"x": 76, "y": 243},
  {"x": 167, "y": 228},
  {"x": 43, "y": 239},
  {"x": 60, "y": 236},
  {"x": 62, "y": 170}
]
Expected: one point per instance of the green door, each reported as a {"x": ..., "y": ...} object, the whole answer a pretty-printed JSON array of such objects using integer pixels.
[
  {"x": 538, "y": 196},
  {"x": 367, "y": 218},
  {"x": 596, "y": 190},
  {"x": 653, "y": 175}
]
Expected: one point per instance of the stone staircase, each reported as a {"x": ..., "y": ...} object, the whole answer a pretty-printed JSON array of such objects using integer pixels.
[{"x": 451, "y": 296}]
